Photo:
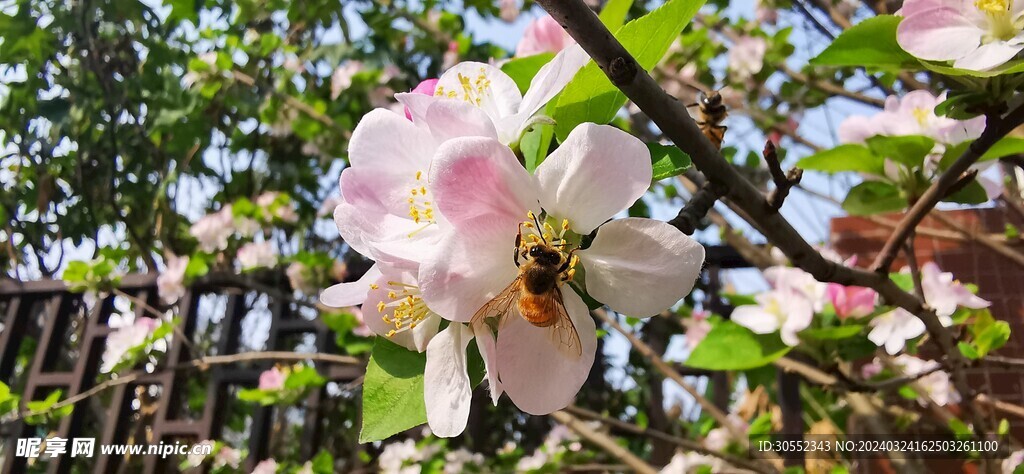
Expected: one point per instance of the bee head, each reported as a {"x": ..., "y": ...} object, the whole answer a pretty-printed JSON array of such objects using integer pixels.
[
  {"x": 711, "y": 100},
  {"x": 545, "y": 255}
]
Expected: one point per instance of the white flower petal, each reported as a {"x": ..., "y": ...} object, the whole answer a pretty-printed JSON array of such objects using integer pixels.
[
  {"x": 390, "y": 143},
  {"x": 482, "y": 85},
  {"x": 939, "y": 34},
  {"x": 756, "y": 319},
  {"x": 536, "y": 372},
  {"x": 989, "y": 55},
  {"x": 641, "y": 267},
  {"x": 597, "y": 172},
  {"x": 466, "y": 273},
  {"x": 488, "y": 351},
  {"x": 354, "y": 293},
  {"x": 446, "y": 387},
  {"x": 551, "y": 79}
]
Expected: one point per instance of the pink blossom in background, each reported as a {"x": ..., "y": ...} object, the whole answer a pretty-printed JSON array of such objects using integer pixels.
[
  {"x": 766, "y": 14},
  {"x": 255, "y": 255},
  {"x": 267, "y": 466},
  {"x": 697, "y": 328},
  {"x": 362, "y": 330},
  {"x": 944, "y": 294},
  {"x": 128, "y": 335},
  {"x": 543, "y": 35},
  {"x": 299, "y": 278},
  {"x": 227, "y": 456},
  {"x": 451, "y": 56},
  {"x": 871, "y": 369},
  {"x": 170, "y": 285},
  {"x": 327, "y": 208},
  {"x": 892, "y": 330},
  {"x": 509, "y": 10},
  {"x": 746, "y": 57},
  {"x": 213, "y": 230},
  {"x": 341, "y": 79},
  {"x": 913, "y": 114},
  {"x": 974, "y": 34},
  {"x": 784, "y": 310},
  {"x": 284, "y": 212},
  {"x": 936, "y": 384},
  {"x": 852, "y": 301},
  {"x": 272, "y": 379}
]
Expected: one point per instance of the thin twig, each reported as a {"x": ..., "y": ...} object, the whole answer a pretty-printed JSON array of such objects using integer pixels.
[
  {"x": 783, "y": 180},
  {"x": 604, "y": 442}
]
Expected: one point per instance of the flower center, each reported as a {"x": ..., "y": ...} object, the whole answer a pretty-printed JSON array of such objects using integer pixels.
[
  {"x": 921, "y": 115},
  {"x": 473, "y": 90},
  {"x": 1001, "y": 25},
  {"x": 560, "y": 239},
  {"x": 408, "y": 306},
  {"x": 421, "y": 210}
]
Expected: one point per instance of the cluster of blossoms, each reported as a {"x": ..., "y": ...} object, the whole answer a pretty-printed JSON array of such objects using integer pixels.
[
  {"x": 131, "y": 338},
  {"x": 439, "y": 199},
  {"x": 789, "y": 307},
  {"x": 935, "y": 384},
  {"x": 914, "y": 114}
]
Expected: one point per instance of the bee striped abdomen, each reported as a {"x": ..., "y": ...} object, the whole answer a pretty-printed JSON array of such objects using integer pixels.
[{"x": 536, "y": 309}]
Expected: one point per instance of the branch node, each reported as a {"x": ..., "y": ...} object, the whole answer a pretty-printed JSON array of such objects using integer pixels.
[
  {"x": 691, "y": 215},
  {"x": 784, "y": 181},
  {"x": 621, "y": 70}
]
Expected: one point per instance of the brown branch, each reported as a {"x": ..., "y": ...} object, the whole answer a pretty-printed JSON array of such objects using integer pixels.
[
  {"x": 673, "y": 119},
  {"x": 995, "y": 129},
  {"x": 993, "y": 244},
  {"x": 783, "y": 180},
  {"x": 703, "y": 201},
  {"x": 604, "y": 442},
  {"x": 684, "y": 443},
  {"x": 668, "y": 371},
  {"x": 831, "y": 88}
]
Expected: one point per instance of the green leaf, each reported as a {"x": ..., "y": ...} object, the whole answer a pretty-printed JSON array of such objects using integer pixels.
[
  {"x": 535, "y": 145},
  {"x": 730, "y": 346},
  {"x": 992, "y": 337},
  {"x": 522, "y": 70},
  {"x": 392, "y": 391},
  {"x": 591, "y": 97},
  {"x": 667, "y": 160},
  {"x": 196, "y": 267},
  {"x": 323, "y": 463},
  {"x": 907, "y": 149},
  {"x": 870, "y": 43},
  {"x": 839, "y": 332},
  {"x": 1010, "y": 67},
  {"x": 873, "y": 197},
  {"x": 845, "y": 158},
  {"x": 972, "y": 193},
  {"x": 1005, "y": 147},
  {"x": 613, "y": 15},
  {"x": 968, "y": 350},
  {"x": 303, "y": 377}
]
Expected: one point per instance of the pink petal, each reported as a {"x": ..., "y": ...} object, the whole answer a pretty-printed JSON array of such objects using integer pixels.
[
  {"x": 552, "y": 78},
  {"x": 451, "y": 119},
  {"x": 596, "y": 173},
  {"x": 755, "y": 318},
  {"x": 354, "y": 293},
  {"x": 447, "y": 391},
  {"x": 641, "y": 267},
  {"x": 466, "y": 273},
  {"x": 857, "y": 129},
  {"x": 536, "y": 372},
  {"x": 939, "y": 34},
  {"x": 478, "y": 185}
]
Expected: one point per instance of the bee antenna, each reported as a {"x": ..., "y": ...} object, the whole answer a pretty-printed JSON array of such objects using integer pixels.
[{"x": 540, "y": 228}]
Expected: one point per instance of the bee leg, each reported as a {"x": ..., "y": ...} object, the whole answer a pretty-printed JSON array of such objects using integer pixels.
[
  {"x": 568, "y": 261},
  {"x": 519, "y": 241}
]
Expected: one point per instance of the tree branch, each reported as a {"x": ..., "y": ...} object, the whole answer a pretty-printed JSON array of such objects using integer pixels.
[{"x": 604, "y": 442}]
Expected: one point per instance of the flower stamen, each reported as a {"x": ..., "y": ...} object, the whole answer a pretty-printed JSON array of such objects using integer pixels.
[{"x": 408, "y": 307}]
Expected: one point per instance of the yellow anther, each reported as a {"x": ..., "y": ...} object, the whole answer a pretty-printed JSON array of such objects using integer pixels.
[
  {"x": 414, "y": 191},
  {"x": 570, "y": 274},
  {"x": 530, "y": 215},
  {"x": 374, "y": 286},
  {"x": 575, "y": 259},
  {"x": 565, "y": 224},
  {"x": 392, "y": 295},
  {"x": 380, "y": 307},
  {"x": 391, "y": 333},
  {"x": 419, "y": 175},
  {"x": 423, "y": 191},
  {"x": 993, "y": 6}
]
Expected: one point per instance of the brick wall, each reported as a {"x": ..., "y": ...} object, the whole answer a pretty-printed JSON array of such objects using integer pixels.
[{"x": 999, "y": 280}]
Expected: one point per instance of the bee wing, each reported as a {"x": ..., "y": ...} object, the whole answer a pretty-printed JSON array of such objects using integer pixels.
[
  {"x": 563, "y": 332},
  {"x": 500, "y": 306}
]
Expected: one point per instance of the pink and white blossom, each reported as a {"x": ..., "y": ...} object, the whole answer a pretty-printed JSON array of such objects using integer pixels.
[
  {"x": 266, "y": 466},
  {"x": 1010, "y": 464},
  {"x": 697, "y": 328},
  {"x": 277, "y": 206},
  {"x": 227, "y": 456},
  {"x": 692, "y": 462},
  {"x": 936, "y": 383},
  {"x": 254, "y": 255},
  {"x": 746, "y": 58},
  {"x": 543, "y": 35},
  {"x": 170, "y": 285},
  {"x": 892, "y": 330},
  {"x": 509, "y": 10},
  {"x": 913, "y": 114},
  {"x": 944, "y": 294},
  {"x": 975, "y": 34},
  {"x": 784, "y": 310},
  {"x": 852, "y": 301},
  {"x": 425, "y": 87},
  {"x": 801, "y": 282},
  {"x": 272, "y": 379},
  {"x": 636, "y": 266},
  {"x": 213, "y": 230},
  {"x": 718, "y": 439},
  {"x": 495, "y": 93},
  {"x": 129, "y": 333},
  {"x": 341, "y": 79}
]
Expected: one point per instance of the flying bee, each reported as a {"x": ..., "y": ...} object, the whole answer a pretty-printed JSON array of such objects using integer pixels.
[
  {"x": 712, "y": 113},
  {"x": 537, "y": 294}
]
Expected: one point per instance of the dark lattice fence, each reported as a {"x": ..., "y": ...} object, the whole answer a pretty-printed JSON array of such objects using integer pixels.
[{"x": 53, "y": 340}]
